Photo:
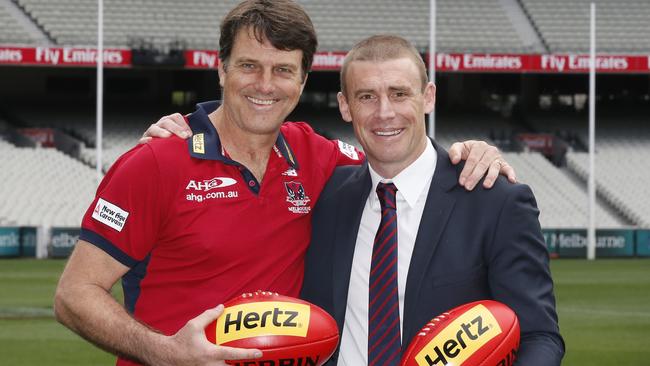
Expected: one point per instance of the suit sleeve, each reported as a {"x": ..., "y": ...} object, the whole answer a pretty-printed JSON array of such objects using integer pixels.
[{"x": 519, "y": 276}]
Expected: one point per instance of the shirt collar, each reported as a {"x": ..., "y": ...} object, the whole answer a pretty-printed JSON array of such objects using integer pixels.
[
  {"x": 411, "y": 181},
  {"x": 205, "y": 142}
]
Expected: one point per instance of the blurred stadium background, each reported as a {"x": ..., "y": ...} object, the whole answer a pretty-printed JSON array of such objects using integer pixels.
[{"x": 512, "y": 72}]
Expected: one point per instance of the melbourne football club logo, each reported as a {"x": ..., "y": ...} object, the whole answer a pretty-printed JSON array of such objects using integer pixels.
[{"x": 297, "y": 197}]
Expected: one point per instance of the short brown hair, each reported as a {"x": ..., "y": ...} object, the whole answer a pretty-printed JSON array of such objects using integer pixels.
[
  {"x": 383, "y": 48},
  {"x": 283, "y": 22}
]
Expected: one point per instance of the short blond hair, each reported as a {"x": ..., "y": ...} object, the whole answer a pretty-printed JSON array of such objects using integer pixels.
[{"x": 383, "y": 48}]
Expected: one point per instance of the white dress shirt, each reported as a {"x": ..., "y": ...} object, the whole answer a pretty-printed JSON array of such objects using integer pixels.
[{"x": 412, "y": 189}]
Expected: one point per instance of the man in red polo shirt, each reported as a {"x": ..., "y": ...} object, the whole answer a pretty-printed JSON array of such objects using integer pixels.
[{"x": 188, "y": 224}]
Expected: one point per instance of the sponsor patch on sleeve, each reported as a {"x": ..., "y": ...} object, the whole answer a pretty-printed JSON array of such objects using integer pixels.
[
  {"x": 348, "y": 150},
  {"x": 110, "y": 214}
]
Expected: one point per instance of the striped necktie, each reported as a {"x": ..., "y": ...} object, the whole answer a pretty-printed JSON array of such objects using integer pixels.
[{"x": 384, "y": 341}]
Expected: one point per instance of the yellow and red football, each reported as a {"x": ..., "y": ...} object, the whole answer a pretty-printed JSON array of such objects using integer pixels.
[
  {"x": 479, "y": 333},
  {"x": 287, "y": 330}
]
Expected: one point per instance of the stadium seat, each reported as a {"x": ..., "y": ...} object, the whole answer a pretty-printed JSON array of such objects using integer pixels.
[
  {"x": 622, "y": 149},
  {"x": 467, "y": 26},
  {"x": 11, "y": 32},
  {"x": 43, "y": 186},
  {"x": 622, "y": 26}
]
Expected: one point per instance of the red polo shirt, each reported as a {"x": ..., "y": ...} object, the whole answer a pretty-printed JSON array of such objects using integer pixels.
[{"x": 196, "y": 228}]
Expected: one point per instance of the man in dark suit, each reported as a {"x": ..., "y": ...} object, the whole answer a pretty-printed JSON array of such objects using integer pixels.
[{"x": 450, "y": 246}]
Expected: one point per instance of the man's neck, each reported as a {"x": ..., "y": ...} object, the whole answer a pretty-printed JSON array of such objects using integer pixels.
[{"x": 250, "y": 150}]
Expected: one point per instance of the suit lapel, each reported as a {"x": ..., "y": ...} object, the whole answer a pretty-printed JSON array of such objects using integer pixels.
[
  {"x": 437, "y": 209},
  {"x": 353, "y": 196}
]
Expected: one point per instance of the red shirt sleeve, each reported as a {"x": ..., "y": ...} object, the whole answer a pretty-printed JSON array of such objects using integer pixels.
[
  {"x": 347, "y": 154},
  {"x": 316, "y": 152},
  {"x": 341, "y": 152},
  {"x": 126, "y": 214}
]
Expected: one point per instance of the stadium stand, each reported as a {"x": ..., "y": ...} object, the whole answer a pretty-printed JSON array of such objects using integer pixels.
[
  {"x": 470, "y": 25},
  {"x": 622, "y": 25},
  {"x": 452, "y": 127},
  {"x": 562, "y": 202},
  {"x": 463, "y": 26},
  {"x": 477, "y": 26},
  {"x": 474, "y": 25},
  {"x": 621, "y": 167},
  {"x": 74, "y": 22},
  {"x": 561, "y": 199},
  {"x": 43, "y": 187},
  {"x": 11, "y": 31},
  {"x": 621, "y": 174},
  {"x": 120, "y": 136},
  {"x": 57, "y": 188},
  {"x": 622, "y": 149},
  {"x": 122, "y": 128}
]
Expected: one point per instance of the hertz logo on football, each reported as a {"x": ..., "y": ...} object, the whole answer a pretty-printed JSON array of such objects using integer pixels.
[
  {"x": 287, "y": 330},
  {"x": 460, "y": 339},
  {"x": 262, "y": 318}
]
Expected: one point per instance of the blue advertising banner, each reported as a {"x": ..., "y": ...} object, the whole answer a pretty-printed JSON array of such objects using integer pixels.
[
  {"x": 28, "y": 242},
  {"x": 615, "y": 243},
  {"x": 609, "y": 243},
  {"x": 62, "y": 241},
  {"x": 643, "y": 243},
  {"x": 9, "y": 241},
  {"x": 550, "y": 237},
  {"x": 571, "y": 242}
]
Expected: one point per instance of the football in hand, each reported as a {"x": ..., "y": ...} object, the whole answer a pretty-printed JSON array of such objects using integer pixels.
[
  {"x": 481, "y": 333},
  {"x": 287, "y": 330}
]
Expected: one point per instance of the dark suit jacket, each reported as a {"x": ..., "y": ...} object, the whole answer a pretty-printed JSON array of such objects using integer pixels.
[{"x": 484, "y": 244}]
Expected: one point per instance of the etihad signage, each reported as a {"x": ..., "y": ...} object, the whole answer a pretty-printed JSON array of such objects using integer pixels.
[{"x": 332, "y": 61}]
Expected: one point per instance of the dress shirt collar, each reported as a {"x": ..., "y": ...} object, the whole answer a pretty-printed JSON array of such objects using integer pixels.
[{"x": 411, "y": 181}]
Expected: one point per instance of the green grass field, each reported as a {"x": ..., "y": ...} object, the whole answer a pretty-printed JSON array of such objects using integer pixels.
[{"x": 604, "y": 309}]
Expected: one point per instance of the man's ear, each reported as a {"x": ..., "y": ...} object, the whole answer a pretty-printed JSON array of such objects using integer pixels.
[
  {"x": 222, "y": 72},
  {"x": 344, "y": 107},
  {"x": 429, "y": 98},
  {"x": 304, "y": 82}
]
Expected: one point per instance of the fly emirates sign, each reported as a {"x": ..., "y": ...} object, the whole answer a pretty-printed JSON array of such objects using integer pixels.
[
  {"x": 553, "y": 63},
  {"x": 332, "y": 61},
  {"x": 580, "y": 63},
  {"x": 63, "y": 56}
]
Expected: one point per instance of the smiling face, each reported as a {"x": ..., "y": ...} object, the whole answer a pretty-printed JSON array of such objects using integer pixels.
[
  {"x": 386, "y": 104},
  {"x": 261, "y": 84}
]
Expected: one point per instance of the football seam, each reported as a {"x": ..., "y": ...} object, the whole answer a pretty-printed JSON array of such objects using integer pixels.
[{"x": 416, "y": 341}]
